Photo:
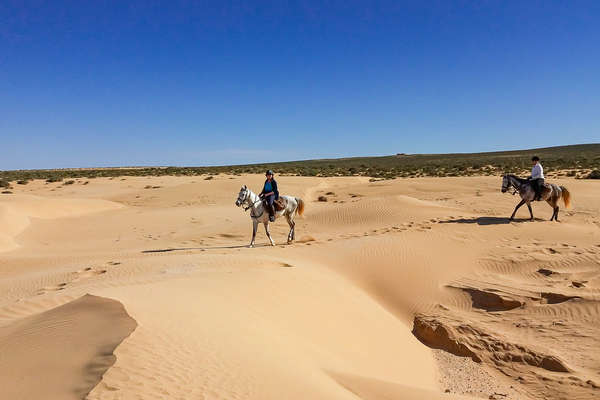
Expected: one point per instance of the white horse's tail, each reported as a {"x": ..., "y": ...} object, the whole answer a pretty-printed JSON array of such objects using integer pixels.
[{"x": 300, "y": 208}]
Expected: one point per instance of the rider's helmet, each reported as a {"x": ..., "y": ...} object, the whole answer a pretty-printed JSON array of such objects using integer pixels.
[{"x": 269, "y": 172}]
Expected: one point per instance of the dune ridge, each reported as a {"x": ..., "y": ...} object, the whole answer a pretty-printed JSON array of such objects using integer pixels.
[
  {"x": 63, "y": 352},
  {"x": 16, "y": 213}
]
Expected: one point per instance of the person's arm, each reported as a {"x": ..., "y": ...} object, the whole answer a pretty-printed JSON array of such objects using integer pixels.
[
  {"x": 263, "y": 191},
  {"x": 274, "y": 185}
]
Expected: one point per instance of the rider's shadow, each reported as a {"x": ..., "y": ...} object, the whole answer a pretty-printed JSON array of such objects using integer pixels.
[{"x": 487, "y": 220}]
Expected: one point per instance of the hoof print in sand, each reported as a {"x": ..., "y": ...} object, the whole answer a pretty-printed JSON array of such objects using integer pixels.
[
  {"x": 488, "y": 300},
  {"x": 556, "y": 298}
]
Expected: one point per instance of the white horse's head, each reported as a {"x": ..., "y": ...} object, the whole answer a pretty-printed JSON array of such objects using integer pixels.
[
  {"x": 505, "y": 183},
  {"x": 242, "y": 196}
]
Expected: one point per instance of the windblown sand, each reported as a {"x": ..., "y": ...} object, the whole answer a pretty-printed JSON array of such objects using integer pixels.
[{"x": 143, "y": 287}]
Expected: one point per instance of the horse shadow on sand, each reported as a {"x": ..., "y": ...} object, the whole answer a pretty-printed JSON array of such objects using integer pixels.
[
  {"x": 242, "y": 246},
  {"x": 487, "y": 220}
]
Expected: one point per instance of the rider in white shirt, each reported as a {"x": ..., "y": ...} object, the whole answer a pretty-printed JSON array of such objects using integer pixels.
[{"x": 537, "y": 177}]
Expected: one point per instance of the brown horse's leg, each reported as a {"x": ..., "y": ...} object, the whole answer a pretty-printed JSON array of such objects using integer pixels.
[
  {"x": 516, "y": 208},
  {"x": 551, "y": 204},
  {"x": 530, "y": 211},
  {"x": 556, "y": 209}
]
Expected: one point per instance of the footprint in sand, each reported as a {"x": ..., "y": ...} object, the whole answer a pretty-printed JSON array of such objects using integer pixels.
[
  {"x": 55, "y": 288},
  {"x": 87, "y": 273}
]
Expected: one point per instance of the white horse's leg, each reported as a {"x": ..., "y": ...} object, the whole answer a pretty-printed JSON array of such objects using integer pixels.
[
  {"x": 254, "y": 229},
  {"x": 268, "y": 233},
  {"x": 290, "y": 223},
  {"x": 292, "y": 234}
]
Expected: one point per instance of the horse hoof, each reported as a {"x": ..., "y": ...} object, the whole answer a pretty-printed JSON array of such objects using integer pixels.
[{"x": 250, "y": 246}]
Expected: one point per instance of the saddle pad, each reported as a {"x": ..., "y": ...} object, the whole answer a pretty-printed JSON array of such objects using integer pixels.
[{"x": 280, "y": 204}]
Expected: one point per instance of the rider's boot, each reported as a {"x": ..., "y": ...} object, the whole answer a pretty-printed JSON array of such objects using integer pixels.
[{"x": 272, "y": 212}]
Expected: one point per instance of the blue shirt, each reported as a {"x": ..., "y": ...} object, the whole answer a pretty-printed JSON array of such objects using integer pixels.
[{"x": 268, "y": 187}]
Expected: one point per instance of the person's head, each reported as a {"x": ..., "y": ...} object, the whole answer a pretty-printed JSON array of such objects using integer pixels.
[
  {"x": 269, "y": 174},
  {"x": 535, "y": 159}
]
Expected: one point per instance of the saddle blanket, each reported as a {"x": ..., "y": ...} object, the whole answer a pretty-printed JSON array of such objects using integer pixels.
[{"x": 280, "y": 204}]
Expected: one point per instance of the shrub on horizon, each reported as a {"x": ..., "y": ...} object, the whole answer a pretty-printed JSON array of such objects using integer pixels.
[{"x": 595, "y": 174}]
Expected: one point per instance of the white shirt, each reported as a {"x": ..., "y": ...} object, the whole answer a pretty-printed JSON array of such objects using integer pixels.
[{"x": 537, "y": 171}]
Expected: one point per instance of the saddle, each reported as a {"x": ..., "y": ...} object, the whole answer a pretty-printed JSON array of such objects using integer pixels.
[
  {"x": 279, "y": 204},
  {"x": 546, "y": 188}
]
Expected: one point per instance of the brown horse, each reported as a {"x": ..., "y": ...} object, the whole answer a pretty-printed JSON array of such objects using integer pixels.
[{"x": 550, "y": 193}]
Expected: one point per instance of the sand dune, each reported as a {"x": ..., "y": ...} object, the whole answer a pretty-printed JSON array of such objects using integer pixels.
[
  {"x": 16, "y": 212},
  {"x": 61, "y": 353},
  {"x": 402, "y": 289}
]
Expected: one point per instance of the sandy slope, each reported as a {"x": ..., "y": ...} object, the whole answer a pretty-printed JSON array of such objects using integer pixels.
[
  {"x": 63, "y": 352},
  {"x": 378, "y": 270}
]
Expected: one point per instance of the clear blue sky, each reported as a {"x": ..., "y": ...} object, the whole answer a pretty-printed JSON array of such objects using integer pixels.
[{"x": 110, "y": 83}]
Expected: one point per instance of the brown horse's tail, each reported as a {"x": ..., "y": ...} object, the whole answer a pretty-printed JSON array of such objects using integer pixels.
[
  {"x": 300, "y": 208},
  {"x": 566, "y": 195}
]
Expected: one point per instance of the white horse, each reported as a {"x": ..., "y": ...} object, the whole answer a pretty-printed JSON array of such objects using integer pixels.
[{"x": 258, "y": 213}]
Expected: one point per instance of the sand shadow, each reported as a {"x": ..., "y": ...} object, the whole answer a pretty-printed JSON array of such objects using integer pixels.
[
  {"x": 242, "y": 246},
  {"x": 487, "y": 220}
]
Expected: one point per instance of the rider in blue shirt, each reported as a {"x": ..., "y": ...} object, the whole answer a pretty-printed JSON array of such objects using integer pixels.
[{"x": 270, "y": 194}]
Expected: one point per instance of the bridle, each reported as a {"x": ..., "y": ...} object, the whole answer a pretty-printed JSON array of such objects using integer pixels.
[{"x": 511, "y": 182}]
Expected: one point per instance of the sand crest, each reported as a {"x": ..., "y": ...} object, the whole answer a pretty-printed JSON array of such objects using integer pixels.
[{"x": 61, "y": 353}]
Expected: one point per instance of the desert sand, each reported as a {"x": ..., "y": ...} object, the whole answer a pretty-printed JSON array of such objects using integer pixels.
[{"x": 143, "y": 288}]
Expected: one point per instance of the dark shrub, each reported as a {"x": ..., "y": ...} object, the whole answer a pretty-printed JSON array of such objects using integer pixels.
[{"x": 595, "y": 174}]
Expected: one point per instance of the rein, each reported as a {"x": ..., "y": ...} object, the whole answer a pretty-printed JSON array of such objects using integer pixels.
[
  {"x": 251, "y": 207},
  {"x": 514, "y": 185}
]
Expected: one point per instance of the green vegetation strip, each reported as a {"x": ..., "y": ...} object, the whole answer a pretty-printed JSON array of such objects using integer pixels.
[{"x": 581, "y": 160}]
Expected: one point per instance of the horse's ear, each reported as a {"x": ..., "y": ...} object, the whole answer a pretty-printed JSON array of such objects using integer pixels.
[{"x": 244, "y": 187}]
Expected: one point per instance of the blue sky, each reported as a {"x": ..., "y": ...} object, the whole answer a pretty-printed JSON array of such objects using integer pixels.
[{"x": 111, "y": 83}]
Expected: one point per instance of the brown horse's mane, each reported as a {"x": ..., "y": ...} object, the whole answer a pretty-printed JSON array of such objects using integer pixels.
[{"x": 521, "y": 180}]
